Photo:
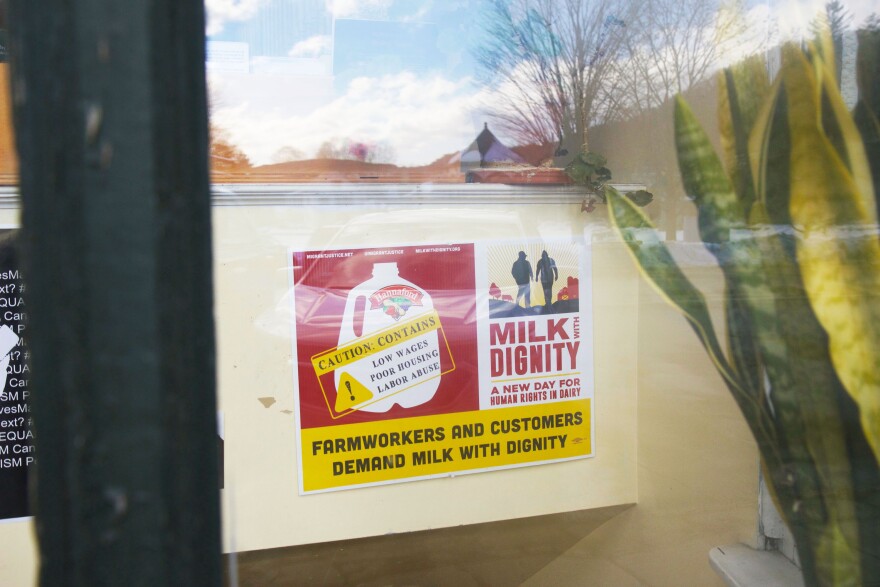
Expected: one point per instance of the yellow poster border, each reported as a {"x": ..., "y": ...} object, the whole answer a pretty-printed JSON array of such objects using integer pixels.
[{"x": 323, "y": 471}]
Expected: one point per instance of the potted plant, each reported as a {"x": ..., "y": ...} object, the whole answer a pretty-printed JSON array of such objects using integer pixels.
[{"x": 792, "y": 221}]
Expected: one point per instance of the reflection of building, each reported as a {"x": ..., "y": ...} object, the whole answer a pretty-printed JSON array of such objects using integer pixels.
[
  {"x": 279, "y": 25},
  {"x": 488, "y": 151},
  {"x": 488, "y": 160}
]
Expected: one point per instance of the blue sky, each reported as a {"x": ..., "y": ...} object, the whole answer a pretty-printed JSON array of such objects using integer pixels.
[{"x": 398, "y": 74}]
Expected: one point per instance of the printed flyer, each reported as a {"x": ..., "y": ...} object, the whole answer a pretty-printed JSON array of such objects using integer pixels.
[
  {"x": 414, "y": 362},
  {"x": 16, "y": 434}
]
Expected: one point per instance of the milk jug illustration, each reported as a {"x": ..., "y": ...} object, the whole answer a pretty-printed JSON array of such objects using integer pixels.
[{"x": 406, "y": 371}]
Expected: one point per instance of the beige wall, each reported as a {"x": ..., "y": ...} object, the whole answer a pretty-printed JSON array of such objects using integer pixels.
[
  {"x": 261, "y": 503},
  {"x": 697, "y": 470},
  {"x": 667, "y": 434}
]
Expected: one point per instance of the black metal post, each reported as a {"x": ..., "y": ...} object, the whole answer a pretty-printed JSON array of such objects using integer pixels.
[{"x": 111, "y": 122}]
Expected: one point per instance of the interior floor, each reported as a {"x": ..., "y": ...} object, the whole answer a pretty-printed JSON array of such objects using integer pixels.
[{"x": 526, "y": 551}]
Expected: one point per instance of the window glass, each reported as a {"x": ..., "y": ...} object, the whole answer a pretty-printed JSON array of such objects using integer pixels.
[
  {"x": 464, "y": 182},
  {"x": 540, "y": 292}
]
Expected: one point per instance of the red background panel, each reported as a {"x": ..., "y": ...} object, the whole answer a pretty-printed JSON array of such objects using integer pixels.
[{"x": 321, "y": 287}]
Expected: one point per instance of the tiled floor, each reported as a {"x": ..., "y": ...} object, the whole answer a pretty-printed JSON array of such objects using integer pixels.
[{"x": 525, "y": 551}]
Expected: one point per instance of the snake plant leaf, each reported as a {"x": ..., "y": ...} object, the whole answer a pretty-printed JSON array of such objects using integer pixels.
[
  {"x": 815, "y": 384},
  {"x": 666, "y": 277},
  {"x": 867, "y": 111},
  {"x": 742, "y": 90},
  {"x": 842, "y": 132},
  {"x": 769, "y": 154},
  {"x": 869, "y": 127},
  {"x": 839, "y": 253},
  {"x": 746, "y": 272},
  {"x": 720, "y": 214},
  {"x": 807, "y": 400},
  {"x": 704, "y": 178},
  {"x": 867, "y": 66},
  {"x": 821, "y": 48},
  {"x": 743, "y": 352}
]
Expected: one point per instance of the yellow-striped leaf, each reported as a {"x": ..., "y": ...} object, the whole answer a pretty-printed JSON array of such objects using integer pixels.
[{"x": 839, "y": 252}]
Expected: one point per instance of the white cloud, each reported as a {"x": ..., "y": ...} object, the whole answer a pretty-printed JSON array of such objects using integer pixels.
[
  {"x": 420, "y": 14},
  {"x": 219, "y": 12},
  {"x": 793, "y": 17},
  {"x": 358, "y": 8},
  {"x": 312, "y": 47},
  {"x": 420, "y": 118}
]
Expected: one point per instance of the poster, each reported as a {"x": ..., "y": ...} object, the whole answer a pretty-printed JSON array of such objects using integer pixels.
[
  {"x": 414, "y": 362},
  {"x": 16, "y": 436}
]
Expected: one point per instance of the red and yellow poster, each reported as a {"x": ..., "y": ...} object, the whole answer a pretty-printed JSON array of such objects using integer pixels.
[{"x": 422, "y": 361}]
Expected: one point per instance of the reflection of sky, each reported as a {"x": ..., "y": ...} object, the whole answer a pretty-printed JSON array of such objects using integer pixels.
[
  {"x": 392, "y": 73},
  {"x": 277, "y": 25},
  {"x": 383, "y": 48}
]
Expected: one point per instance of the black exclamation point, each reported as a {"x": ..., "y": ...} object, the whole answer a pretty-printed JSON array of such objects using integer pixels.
[{"x": 348, "y": 387}]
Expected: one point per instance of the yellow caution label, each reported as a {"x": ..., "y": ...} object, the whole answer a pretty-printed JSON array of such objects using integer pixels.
[
  {"x": 361, "y": 348},
  {"x": 335, "y": 457},
  {"x": 351, "y": 392}
]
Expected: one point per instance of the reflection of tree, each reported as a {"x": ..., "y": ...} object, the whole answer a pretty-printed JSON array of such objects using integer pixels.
[
  {"x": 563, "y": 65},
  {"x": 551, "y": 60},
  {"x": 835, "y": 20},
  {"x": 350, "y": 150},
  {"x": 287, "y": 153},
  {"x": 672, "y": 45},
  {"x": 225, "y": 156}
]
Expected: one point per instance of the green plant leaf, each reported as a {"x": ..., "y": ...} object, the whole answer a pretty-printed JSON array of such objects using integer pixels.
[
  {"x": 579, "y": 172},
  {"x": 641, "y": 198},
  {"x": 704, "y": 179},
  {"x": 660, "y": 270},
  {"x": 807, "y": 404},
  {"x": 843, "y": 134},
  {"x": 743, "y": 350},
  {"x": 750, "y": 264},
  {"x": 867, "y": 111},
  {"x": 869, "y": 127},
  {"x": 867, "y": 66},
  {"x": 742, "y": 89},
  {"x": 769, "y": 154},
  {"x": 594, "y": 159},
  {"x": 839, "y": 253},
  {"x": 815, "y": 385}
]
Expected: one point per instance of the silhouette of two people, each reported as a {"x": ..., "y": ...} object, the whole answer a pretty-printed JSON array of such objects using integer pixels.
[
  {"x": 547, "y": 273},
  {"x": 522, "y": 274}
]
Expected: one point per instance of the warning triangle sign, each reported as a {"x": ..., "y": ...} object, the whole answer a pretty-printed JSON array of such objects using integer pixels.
[{"x": 350, "y": 393}]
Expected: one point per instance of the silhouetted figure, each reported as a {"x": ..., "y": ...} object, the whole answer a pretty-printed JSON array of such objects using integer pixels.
[
  {"x": 522, "y": 274},
  {"x": 546, "y": 271}
]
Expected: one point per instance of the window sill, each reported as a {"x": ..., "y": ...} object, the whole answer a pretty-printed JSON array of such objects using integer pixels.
[{"x": 740, "y": 566}]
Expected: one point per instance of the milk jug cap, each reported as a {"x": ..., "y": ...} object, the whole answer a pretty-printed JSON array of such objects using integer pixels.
[{"x": 385, "y": 270}]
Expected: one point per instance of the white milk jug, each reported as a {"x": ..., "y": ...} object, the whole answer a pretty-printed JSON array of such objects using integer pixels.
[{"x": 405, "y": 373}]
